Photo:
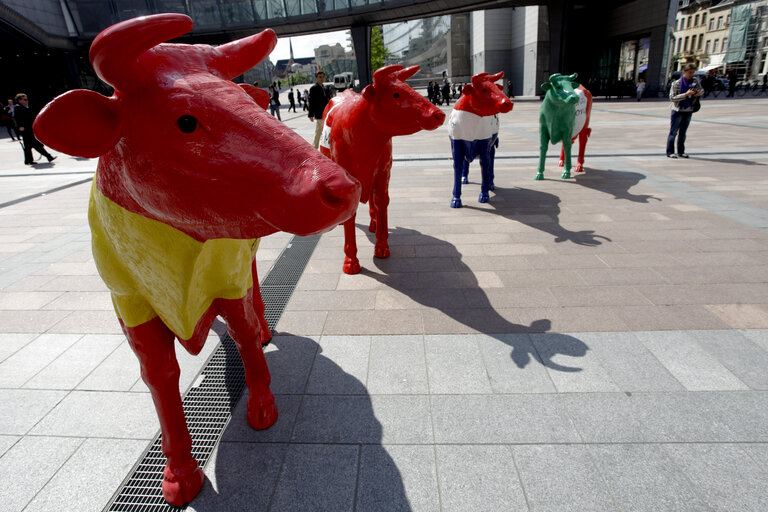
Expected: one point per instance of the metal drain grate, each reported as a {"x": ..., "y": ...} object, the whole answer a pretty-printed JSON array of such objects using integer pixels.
[{"x": 208, "y": 405}]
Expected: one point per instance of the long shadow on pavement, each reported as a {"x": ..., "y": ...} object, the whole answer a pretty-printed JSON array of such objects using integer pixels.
[{"x": 615, "y": 183}]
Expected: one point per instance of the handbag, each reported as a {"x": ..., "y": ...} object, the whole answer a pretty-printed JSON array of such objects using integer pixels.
[{"x": 696, "y": 104}]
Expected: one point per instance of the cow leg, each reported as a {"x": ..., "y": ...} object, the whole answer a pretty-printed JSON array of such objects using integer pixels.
[
  {"x": 485, "y": 171},
  {"x": 265, "y": 333},
  {"x": 583, "y": 137},
  {"x": 372, "y": 213},
  {"x": 153, "y": 344},
  {"x": 351, "y": 263},
  {"x": 543, "y": 145},
  {"x": 243, "y": 326},
  {"x": 567, "y": 150},
  {"x": 460, "y": 169},
  {"x": 561, "y": 162},
  {"x": 465, "y": 172},
  {"x": 380, "y": 201},
  {"x": 491, "y": 161}
]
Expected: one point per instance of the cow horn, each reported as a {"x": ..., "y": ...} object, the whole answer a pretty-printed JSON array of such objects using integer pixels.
[
  {"x": 573, "y": 77},
  {"x": 235, "y": 58},
  {"x": 114, "y": 52},
  {"x": 554, "y": 77},
  {"x": 407, "y": 73},
  {"x": 382, "y": 75},
  {"x": 498, "y": 76},
  {"x": 478, "y": 79}
]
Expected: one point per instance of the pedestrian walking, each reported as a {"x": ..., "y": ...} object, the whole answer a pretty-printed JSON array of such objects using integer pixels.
[
  {"x": 274, "y": 102},
  {"x": 318, "y": 99},
  {"x": 291, "y": 101},
  {"x": 640, "y": 89},
  {"x": 25, "y": 117},
  {"x": 684, "y": 93},
  {"x": 9, "y": 121}
]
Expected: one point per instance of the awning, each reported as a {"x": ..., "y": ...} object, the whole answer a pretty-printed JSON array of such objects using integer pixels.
[
  {"x": 642, "y": 68},
  {"x": 715, "y": 62}
]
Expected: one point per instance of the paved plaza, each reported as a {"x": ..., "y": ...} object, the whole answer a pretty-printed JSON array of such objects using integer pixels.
[{"x": 591, "y": 344}]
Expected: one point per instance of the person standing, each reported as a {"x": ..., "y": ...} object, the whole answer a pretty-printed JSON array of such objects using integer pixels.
[
  {"x": 640, "y": 89},
  {"x": 305, "y": 95},
  {"x": 9, "y": 121},
  {"x": 318, "y": 99},
  {"x": 24, "y": 117},
  {"x": 274, "y": 102},
  {"x": 291, "y": 101},
  {"x": 446, "y": 90},
  {"x": 682, "y": 93}
]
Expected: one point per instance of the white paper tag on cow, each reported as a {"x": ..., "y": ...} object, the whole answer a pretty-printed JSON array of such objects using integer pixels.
[
  {"x": 325, "y": 137},
  {"x": 581, "y": 113}
]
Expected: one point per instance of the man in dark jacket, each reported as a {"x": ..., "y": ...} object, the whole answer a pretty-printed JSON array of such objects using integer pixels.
[
  {"x": 24, "y": 117},
  {"x": 318, "y": 99}
]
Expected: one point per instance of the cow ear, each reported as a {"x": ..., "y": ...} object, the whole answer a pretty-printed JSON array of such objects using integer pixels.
[
  {"x": 501, "y": 87},
  {"x": 369, "y": 93},
  {"x": 467, "y": 90},
  {"x": 546, "y": 86},
  {"x": 260, "y": 96},
  {"x": 573, "y": 77},
  {"x": 80, "y": 123}
]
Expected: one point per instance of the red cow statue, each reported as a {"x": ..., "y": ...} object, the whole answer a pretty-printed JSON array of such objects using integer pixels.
[
  {"x": 357, "y": 134},
  {"x": 474, "y": 132},
  {"x": 192, "y": 171}
]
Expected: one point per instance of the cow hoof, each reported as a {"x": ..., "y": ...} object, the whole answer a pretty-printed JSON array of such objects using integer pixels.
[
  {"x": 262, "y": 413},
  {"x": 456, "y": 203},
  {"x": 566, "y": 175},
  {"x": 561, "y": 163},
  {"x": 182, "y": 487},
  {"x": 381, "y": 252},
  {"x": 351, "y": 266},
  {"x": 483, "y": 198},
  {"x": 578, "y": 169},
  {"x": 539, "y": 176},
  {"x": 372, "y": 226},
  {"x": 265, "y": 336},
  {"x": 464, "y": 180}
]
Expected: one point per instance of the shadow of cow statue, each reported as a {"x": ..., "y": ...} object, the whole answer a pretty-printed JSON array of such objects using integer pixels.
[
  {"x": 473, "y": 129},
  {"x": 564, "y": 116},
  {"x": 357, "y": 134},
  {"x": 192, "y": 172}
]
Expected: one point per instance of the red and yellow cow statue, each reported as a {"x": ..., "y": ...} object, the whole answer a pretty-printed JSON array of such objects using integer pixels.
[
  {"x": 357, "y": 134},
  {"x": 192, "y": 171}
]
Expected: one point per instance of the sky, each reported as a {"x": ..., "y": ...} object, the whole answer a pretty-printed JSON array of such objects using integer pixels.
[{"x": 304, "y": 46}]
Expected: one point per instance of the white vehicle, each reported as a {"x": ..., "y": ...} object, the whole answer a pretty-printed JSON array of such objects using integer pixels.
[{"x": 342, "y": 81}]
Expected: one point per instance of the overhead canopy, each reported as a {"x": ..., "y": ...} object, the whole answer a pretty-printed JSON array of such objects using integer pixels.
[{"x": 642, "y": 68}]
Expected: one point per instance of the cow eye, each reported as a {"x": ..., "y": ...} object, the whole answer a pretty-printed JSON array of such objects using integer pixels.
[
  {"x": 187, "y": 124},
  {"x": 397, "y": 95},
  {"x": 485, "y": 90}
]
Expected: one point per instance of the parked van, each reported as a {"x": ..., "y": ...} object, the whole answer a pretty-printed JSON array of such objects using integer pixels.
[{"x": 342, "y": 81}]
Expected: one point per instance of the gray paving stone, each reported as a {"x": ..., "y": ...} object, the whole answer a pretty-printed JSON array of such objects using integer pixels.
[
  {"x": 6, "y": 442},
  {"x": 290, "y": 360},
  {"x": 10, "y": 343},
  {"x": 36, "y": 355},
  {"x": 90, "y": 477},
  {"x": 397, "y": 365},
  {"x": 496, "y": 419},
  {"x": 679, "y": 417},
  {"x": 318, "y": 478},
  {"x": 240, "y": 476},
  {"x": 28, "y": 466},
  {"x": 364, "y": 419},
  {"x": 120, "y": 371},
  {"x": 759, "y": 336},
  {"x": 479, "y": 477},
  {"x": 745, "y": 414},
  {"x": 570, "y": 364},
  {"x": 606, "y": 417},
  {"x": 238, "y": 429},
  {"x": 71, "y": 367},
  {"x": 724, "y": 475},
  {"x": 341, "y": 366},
  {"x": 397, "y": 478},
  {"x": 695, "y": 368},
  {"x": 641, "y": 477},
  {"x": 758, "y": 452},
  {"x": 630, "y": 365},
  {"x": 742, "y": 357},
  {"x": 513, "y": 365},
  {"x": 561, "y": 478},
  {"x": 455, "y": 365},
  {"x": 102, "y": 414},
  {"x": 21, "y": 409}
]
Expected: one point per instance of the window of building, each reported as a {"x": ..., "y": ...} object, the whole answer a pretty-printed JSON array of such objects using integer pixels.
[
  {"x": 706, "y": 50},
  {"x": 685, "y": 44},
  {"x": 727, "y": 19},
  {"x": 725, "y": 44},
  {"x": 693, "y": 43},
  {"x": 712, "y": 24},
  {"x": 701, "y": 40},
  {"x": 689, "y": 21},
  {"x": 719, "y": 22},
  {"x": 679, "y": 44},
  {"x": 696, "y": 21},
  {"x": 682, "y": 23},
  {"x": 703, "y": 18},
  {"x": 715, "y": 46}
]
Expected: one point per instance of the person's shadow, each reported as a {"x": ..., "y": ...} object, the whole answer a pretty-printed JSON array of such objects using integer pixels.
[
  {"x": 323, "y": 453},
  {"x": 469, "y": 305}
]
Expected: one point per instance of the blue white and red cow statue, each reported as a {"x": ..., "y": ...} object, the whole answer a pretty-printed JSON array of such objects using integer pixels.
[
  {"x": 474, "y": 131},
  {"x": 564, "y": 116}
]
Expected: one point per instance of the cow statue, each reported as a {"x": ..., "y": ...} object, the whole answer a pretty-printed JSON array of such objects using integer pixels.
[
  {"x": 357, "y": 134},
  {"x": 474, "y": 132},
  {"x": 192, "y": 171},
  {"x": 564, "y": 116}
]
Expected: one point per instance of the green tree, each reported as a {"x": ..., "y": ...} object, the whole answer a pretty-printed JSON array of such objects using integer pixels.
[{"x": 379, "y": 52}]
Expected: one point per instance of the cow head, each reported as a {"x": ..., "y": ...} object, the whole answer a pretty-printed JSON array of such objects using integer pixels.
[
  {"x": 562, "y": 88},
  {"x": 396, "y": 109},
  {"x": 181, "y": 143},
  {"x": 483, "y": 97}
]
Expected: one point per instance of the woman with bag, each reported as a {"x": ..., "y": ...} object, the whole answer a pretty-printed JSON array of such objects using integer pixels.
[{"x": 684, "y": 94}]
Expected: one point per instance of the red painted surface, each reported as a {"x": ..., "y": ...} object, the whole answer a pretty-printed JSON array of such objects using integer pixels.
[
  {"x": 484, "y": 97},
  {"x": 181, "y": 144},
  {"x": 358, "y": 135},
  {"x": 583, "y": 135}
]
